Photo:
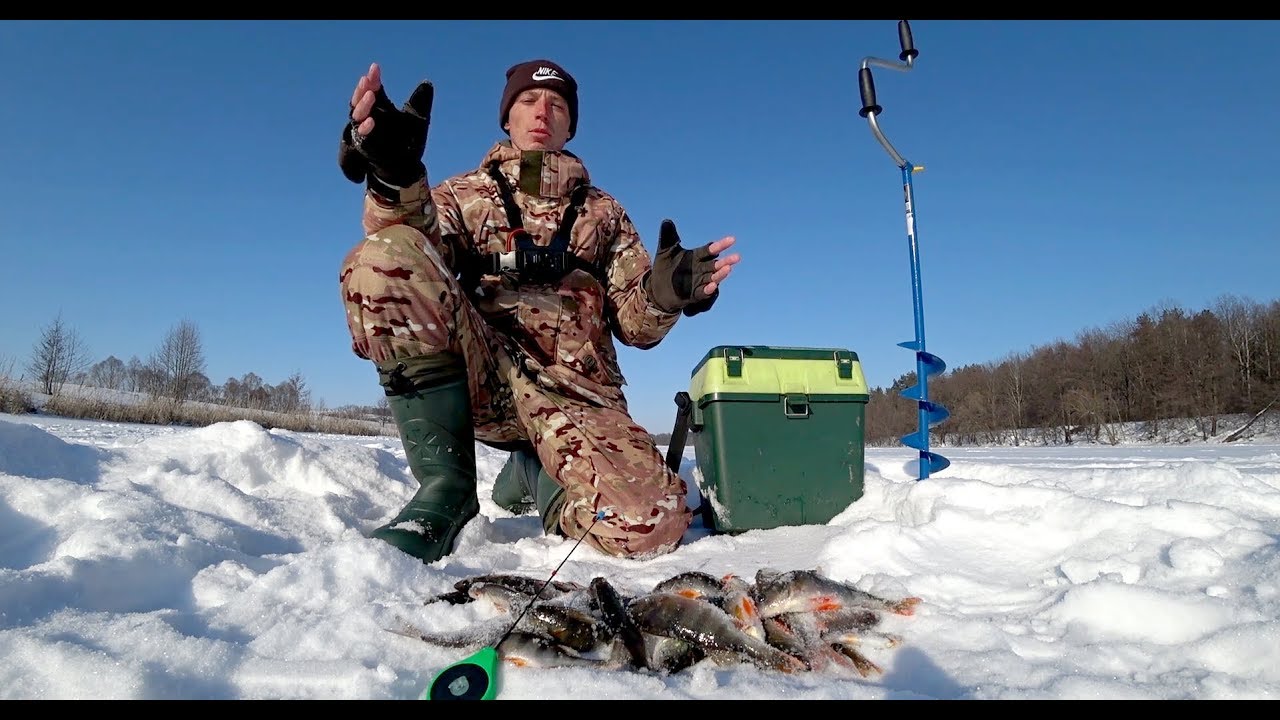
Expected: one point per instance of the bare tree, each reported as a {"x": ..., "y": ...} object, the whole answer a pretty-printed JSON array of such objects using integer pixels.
[
  {"x": 1016, "y": 387},
  {"x": 996, "y": 409},
  {"x": 202, "y": 389},
  {"x": 180, "y": 361},
  {"x": 109, "y": 374},
  {"x": 231, "y": 392},
  {"x": 1243, "y": 330},
  {"x": 247, "y": 391},
  {"x": 1270, "y": 346},
  {"x": 291, "y": 395},
  {"x": 140, "y": 377},
  {"x": 384, "y": 411},
  {"x": 57, "y": 355}
]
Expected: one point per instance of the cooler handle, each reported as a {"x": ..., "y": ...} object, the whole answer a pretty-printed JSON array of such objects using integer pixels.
[
  {"x": 795, "y": 405},
  {"x": 675, "y": 449}
]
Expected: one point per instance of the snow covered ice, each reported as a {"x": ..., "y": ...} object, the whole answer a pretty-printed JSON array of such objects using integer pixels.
[{"x": 229, "y": 562}]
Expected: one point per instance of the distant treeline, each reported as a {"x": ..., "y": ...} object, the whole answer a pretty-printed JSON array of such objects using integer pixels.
[
  {"x": 168, "y": 386},
  {"x": 1167, "y": 363},
  {"x": 1164, "y": 364}
]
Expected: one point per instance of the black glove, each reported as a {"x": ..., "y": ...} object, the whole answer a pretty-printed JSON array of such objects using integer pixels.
[
  {"x": 679, "y": 275},
  {"x": 393, "y": 150}
]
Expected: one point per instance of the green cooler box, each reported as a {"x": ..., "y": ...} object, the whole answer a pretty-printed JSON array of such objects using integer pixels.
[{"x": 778, "y": 435}]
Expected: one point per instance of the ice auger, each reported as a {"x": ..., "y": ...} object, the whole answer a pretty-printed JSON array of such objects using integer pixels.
[{"x": 927, "y": 364}]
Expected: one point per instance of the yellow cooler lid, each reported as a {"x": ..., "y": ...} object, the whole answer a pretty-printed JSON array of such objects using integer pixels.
[{"x": 770, "y": 371}]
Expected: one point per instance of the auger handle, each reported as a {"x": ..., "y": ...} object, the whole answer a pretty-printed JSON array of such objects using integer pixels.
[
  {"x": 867, "y": 87},
  {"x": 909, "y": 51}
]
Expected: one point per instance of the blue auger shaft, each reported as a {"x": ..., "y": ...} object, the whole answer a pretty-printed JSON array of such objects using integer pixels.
[
  {"x": 917, "y": 284},
  {"x": 927, "y": 364}
]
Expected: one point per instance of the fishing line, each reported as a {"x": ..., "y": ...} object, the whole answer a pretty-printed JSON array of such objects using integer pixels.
[{"x": 475, "y": 678}]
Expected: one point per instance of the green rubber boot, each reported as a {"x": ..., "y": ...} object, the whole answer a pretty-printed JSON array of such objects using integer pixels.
[
  {"x": 513, "y": 489},
  {"x": 523, "y": 485},
  {"x": 550, "y": 500},
  {"x": 432, "y": 408}
]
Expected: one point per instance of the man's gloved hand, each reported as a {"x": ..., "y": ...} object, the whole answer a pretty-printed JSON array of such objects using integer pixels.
[
  {"x": 392, "y": 150},
  {"x": 679, "y": 277}
]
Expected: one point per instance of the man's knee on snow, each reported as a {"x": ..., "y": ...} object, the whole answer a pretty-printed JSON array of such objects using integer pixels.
[{"x": 635, "y": 527}]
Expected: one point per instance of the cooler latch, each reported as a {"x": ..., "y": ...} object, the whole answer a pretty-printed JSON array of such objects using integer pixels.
[
  {"x": 733, "y": 362},
  {"x": 844, "y": 364}
]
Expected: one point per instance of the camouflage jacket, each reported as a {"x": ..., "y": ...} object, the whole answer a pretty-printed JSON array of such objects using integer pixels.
[{"x": 564, "y": 331}]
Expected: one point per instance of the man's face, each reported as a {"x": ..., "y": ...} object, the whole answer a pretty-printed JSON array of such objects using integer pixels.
[{"x": 539, "y": 120}]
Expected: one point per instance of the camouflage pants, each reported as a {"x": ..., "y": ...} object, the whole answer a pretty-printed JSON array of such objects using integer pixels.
[{"x": 401, "y": 302}]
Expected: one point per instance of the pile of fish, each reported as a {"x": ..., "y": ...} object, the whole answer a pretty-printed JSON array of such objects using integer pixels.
[{"x": 789, "y": 621}]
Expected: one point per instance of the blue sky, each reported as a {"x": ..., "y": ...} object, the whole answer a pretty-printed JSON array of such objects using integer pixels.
[{"x": 1077, "y": 173}]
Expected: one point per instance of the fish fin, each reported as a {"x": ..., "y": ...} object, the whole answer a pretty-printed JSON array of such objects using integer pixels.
[
  {"x": 406, "y": 629},
  {"x": 906, "y": 606},
  {"x": 861, "y": 662},
  {"x": 826, "y": 603},
  {"x": 619, "y": 656},
  {"x": 455, "y": 597},
  {"x": 890, "y": 640},
  {"x": 765, "y": 574}
]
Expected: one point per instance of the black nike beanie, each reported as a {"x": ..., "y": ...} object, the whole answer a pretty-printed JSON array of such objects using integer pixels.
[{"x": 543, "y": 74}]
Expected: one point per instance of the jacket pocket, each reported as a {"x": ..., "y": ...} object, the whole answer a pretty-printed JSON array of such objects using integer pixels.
[
  {"x": 582, "y": 325},
  {"x": 540, "y": 316}
]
